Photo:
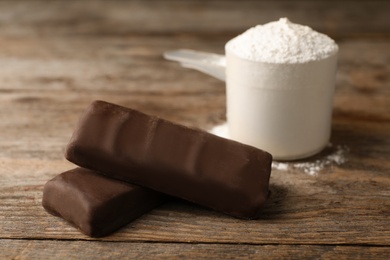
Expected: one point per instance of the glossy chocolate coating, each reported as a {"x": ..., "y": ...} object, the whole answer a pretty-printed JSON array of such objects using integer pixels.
[
  {"x": 95, "y": 204},
  {"x": 184, "y": 162}
]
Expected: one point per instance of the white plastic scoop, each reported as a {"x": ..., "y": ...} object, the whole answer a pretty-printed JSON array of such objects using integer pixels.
[
  {"x": 282, "y": 108},
  {"x": 208, "y": 63}
]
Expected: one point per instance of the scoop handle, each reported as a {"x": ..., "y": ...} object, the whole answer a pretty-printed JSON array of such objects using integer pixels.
[{"x": 209, "y": 63}]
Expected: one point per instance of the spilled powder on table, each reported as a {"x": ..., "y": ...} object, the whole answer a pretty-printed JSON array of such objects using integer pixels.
[{"x": 336, "y": 156}]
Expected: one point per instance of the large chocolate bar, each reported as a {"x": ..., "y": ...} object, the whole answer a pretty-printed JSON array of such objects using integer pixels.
[
  {"x": 184, "y": 162},
  {"x": 96, "y": 204}
]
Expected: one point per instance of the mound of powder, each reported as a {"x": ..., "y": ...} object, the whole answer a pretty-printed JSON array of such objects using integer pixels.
[{"x": 282, "y": 42}]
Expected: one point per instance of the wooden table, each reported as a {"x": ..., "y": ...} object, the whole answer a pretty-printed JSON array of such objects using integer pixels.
[{"x": 58, "y": 56}]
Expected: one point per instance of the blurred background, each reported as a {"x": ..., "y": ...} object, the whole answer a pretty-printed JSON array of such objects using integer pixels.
[
  {"x": 67, "y": 34},
  {"x": 339, "y": 18},
  {"x": 58, "y": 56}
]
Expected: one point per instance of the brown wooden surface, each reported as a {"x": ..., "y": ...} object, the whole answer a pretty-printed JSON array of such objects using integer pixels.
[{"x": 58, "y": 56}]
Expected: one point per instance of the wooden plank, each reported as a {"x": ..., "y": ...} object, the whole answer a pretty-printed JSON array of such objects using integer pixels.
[
  {"x": 342, "y": 205},
  {"x": 47, "y": 82},
  {"x": 101, "y": 17},
  {"x": 46, "y": 249}
]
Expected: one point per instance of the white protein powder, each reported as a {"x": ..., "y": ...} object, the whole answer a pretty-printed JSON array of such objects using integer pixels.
[{"x": 282, "y": 42}]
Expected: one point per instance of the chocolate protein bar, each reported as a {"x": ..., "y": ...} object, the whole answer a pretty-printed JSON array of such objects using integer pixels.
[
  {"x": 95, "y": 204},
  {"x": 184, "y": 162}
]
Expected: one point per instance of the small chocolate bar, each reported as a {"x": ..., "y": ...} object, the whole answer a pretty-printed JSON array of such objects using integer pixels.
[
  {"x": 173, "y": 159},
  {"x": 95, "y": 204}
]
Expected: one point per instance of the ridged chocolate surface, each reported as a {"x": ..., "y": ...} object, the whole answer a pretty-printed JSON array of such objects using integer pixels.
[
  {"x": 95, "y": 204},
  {"x": 187, "y": 163}
]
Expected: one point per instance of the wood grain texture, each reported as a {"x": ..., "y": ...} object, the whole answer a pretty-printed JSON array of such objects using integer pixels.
[
  {"x": 27, "y": 249},
  {"x": 58, "y": 56},
  {"x": 345, "y": 204},
  {"x": 329, "y": 209},
  {"x": 99, "y": 17}
]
